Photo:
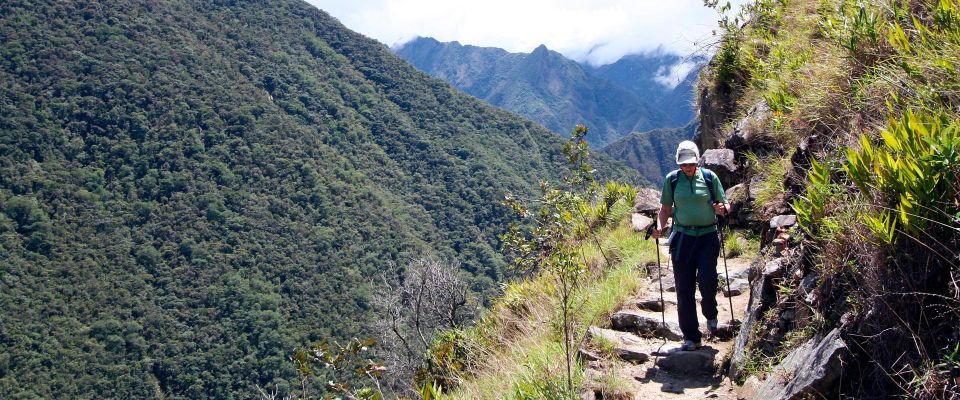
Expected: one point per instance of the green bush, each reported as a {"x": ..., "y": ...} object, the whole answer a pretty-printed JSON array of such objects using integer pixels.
[{"x": 911, "y": 175}]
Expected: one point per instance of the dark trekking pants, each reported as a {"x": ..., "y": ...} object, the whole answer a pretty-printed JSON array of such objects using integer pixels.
[{"x": 695, "y": 263}]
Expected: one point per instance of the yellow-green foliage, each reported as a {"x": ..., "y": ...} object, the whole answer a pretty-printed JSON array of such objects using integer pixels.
[{"x": 913, "y": 170}]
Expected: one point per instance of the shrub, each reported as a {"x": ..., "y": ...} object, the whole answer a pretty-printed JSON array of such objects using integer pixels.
[{"x": 911, "y": 176}]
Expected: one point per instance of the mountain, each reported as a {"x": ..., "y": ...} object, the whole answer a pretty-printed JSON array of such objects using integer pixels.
[
  {"x": 652, "y": 152},
  {"x": 191, "y": 189},
  {"x": 666, "y": 79},
  {"x": 546, "y": 87}
]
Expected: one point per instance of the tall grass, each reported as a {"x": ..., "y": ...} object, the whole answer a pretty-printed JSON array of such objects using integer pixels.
[{"x": 516, "y": 348}]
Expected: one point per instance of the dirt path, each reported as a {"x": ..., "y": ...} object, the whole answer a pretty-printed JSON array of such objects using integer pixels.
[{"x": 632, "y": 360}]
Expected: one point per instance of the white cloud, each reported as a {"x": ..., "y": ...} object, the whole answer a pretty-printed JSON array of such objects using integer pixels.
[
  {"x": 597, "y": 31},
  {"x": 671, "y": 77}
]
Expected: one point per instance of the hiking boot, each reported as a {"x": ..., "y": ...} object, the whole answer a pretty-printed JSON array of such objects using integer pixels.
[
  {"x": 689, "y": 345},
  {"x": 712, "y": 325}
]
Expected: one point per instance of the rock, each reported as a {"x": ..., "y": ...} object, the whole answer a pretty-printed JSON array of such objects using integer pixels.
[
  {"x": 783, "y": 221},
  {"x": 737, "y": 287},
  {"x": 640, "y": 222},
  {"x": 808, "y": 286},
  {"x": 774, "y": 269},
  {"x": 749, "y": 388},
  {"x": 699, "y": 361},
  {"x": 722, "y": 163},
  {"x": 740, "y": 274},
  {"x": 587, "y": 355},
  {"x": 649, "y": 303},
  {"x": 739, "y": 199},
  {"x": 669, "y": 387},
  {"x": 726, "y": 330},
  {"x": 588, "y": 395},
  {"x": 625, "y": 345},
  {"x": 646, "y": 325},
  {"x": 754, "y": 187},
  {"x": 750, "y": 128},
  {"x": 808, "y": 370},
  {"x": 761, "y": 297},
  {"x": 647, "y": 201},
  {"x": 669, "y": 283},
  {"x": 631, "y": 354}
]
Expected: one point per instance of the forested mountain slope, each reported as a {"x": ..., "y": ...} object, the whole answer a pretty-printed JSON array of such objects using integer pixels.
[
  {"x": 189, "y": 190},
  {"x": 557, "y": 92},
  {"x": 653, "y": 152}
]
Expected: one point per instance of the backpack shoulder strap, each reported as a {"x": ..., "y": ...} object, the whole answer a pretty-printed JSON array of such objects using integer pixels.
[
  {"x": 674, "y": 177},
  {"x": 708, "y": 179}
]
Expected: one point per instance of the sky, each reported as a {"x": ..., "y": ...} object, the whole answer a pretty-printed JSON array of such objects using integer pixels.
[{"x": 594, "y": 31}]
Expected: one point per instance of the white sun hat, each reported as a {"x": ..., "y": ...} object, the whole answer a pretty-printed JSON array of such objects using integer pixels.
[{"x": 688, "y": 153}]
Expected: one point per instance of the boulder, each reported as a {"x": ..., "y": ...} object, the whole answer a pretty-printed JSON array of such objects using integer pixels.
[
  {"x": 588, "y": 395},
  {"x": 647, "y": 201},
  {"x": 643, "y": 324},
  {"x": 721, "y": 162},
  {"x": 640, "y": 222},
  {"x": 809, "y": 370}
]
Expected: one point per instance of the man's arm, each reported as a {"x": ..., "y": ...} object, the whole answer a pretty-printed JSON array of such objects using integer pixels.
[{"x": 665, "y": 212}]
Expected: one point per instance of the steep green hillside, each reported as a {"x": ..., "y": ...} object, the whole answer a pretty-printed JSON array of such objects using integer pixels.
[
  {"x": 189, "y": 190},
  {"x": 846, "y": 114},
  {"x": 651, "y": 153},
  {"x": 544, "y": 86}
]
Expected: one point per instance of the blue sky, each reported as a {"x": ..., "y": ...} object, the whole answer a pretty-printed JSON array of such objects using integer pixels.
[{"x": 597, "y": 31}]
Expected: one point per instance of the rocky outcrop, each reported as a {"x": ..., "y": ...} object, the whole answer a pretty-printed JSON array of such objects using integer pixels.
[
  {"x": 808, "y": 371},
  {"x": 749, "y": 130},
  {"x": 762, "y": 296},
  {"x": 722, "y": 163}
]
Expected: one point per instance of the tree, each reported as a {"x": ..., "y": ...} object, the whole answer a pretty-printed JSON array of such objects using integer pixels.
[{"x": 430, "y": 297}]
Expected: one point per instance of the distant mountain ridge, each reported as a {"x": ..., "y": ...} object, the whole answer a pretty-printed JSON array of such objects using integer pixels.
[
  {"x": 651, "y": 152},
  {"x": 614, "y": 100}
]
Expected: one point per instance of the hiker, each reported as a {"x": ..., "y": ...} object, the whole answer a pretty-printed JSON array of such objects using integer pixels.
[{"x": 694, "y": 197}]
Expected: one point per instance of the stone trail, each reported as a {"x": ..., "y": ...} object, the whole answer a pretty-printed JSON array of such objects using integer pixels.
[{"x": 631, "y": 359}]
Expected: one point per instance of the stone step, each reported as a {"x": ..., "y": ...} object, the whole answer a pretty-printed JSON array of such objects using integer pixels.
[
  {"x": 700, "y": 361},
  {"x": 644, "y": 324},
  {"x": 650, "y": 303},
  {"x": 626, "y": 346}
]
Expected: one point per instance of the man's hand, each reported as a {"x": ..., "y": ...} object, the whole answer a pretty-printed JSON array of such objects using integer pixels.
[
  {"x": 720, "y": 208},
  {"x": 656, "y": 233}
]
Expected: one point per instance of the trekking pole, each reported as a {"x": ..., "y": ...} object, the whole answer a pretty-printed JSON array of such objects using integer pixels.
[
  {"x": 723, "y": 253},
  {"x": 656, "y": 247}
]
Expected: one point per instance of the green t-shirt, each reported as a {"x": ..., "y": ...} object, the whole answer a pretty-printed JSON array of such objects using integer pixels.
[{"x": 691, "y": 202}]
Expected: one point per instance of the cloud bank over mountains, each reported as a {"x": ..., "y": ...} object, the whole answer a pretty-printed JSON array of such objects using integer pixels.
[{"x": 594, "y": 31}]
